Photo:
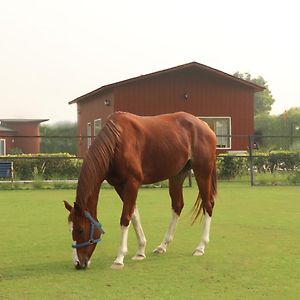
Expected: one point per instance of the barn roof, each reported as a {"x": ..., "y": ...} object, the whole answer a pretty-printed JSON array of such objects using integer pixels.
[
  {"x": 5, "y": 129},
  {"x": 192, "y": 66},
  {"x": 24, "y": 120}
]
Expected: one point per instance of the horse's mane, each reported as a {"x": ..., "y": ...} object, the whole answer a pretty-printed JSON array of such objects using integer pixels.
[{"x": 96, "y": 162}]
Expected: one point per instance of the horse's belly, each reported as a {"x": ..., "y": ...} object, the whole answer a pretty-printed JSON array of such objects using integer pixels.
[{"x": 161, "y": 169}]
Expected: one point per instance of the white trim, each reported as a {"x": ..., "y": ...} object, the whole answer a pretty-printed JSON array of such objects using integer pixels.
[
  {"x": 4, "y": 146},
  {"x": 230, "y": 127},
  {"x": 89, "y": 134},
  {"x": 96, "y": 127}
]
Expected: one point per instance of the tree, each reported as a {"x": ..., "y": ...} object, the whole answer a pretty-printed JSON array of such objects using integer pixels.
[
  {"x": 56, "y": 144},
  {"x": 264, "y": 100},
  {"x": 283, "y": 130}
]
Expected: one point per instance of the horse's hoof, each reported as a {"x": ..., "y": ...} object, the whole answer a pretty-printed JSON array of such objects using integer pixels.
[
  {"x": 117, "y": 266},
  {"x": 139, "y": 257},
  {"x": 159, "y": 250},
  {"x": 198, "y": 252}
]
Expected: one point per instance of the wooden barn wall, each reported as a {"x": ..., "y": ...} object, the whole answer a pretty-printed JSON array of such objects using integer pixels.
[
  {"x": 27, "y": 145},
  {"x": 208, "y": 95},
  {"x": 89, "y": 110}
]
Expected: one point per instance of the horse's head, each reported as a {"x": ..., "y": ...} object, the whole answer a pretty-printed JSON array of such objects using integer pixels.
[{"x": 86, "y": 232}]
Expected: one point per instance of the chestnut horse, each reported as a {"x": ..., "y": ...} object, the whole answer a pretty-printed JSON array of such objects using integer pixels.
[{"x": 130, "y": 151}]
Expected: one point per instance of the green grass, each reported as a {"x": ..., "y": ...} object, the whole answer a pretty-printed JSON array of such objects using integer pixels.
[{"x": 253, "y": 253}]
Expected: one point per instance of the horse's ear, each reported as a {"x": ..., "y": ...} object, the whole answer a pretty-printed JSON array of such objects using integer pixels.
[
  {"x": 78, "y": 210},
  {"x": 68, "y": 206}
]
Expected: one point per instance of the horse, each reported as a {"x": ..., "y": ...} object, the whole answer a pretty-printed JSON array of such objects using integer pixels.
[{"x": 132, "y": 150}]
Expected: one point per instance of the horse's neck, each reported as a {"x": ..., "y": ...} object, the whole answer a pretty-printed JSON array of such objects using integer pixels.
[
  {"x": 89, "y": 200},
  {"x": 88, "y": 188}
]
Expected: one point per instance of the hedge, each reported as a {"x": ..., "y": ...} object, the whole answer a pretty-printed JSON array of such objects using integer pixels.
[
  {"x": 65, "y": 166},
  {"x": 230, "y": 165},
  {"x": 45, "y": 166}
]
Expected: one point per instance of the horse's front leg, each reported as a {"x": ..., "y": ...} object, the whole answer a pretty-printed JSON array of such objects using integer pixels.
[
  {"x": 128, "y": 194},
  {"x": 118, "y": 262}
]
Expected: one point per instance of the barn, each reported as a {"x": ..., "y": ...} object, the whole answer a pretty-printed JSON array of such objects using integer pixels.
[
  {"x": 225, "y": 102},
  {"x": 12, "y": 130}
]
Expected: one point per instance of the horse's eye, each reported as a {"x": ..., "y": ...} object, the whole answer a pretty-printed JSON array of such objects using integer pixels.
[{"x": 79, "y": 231}]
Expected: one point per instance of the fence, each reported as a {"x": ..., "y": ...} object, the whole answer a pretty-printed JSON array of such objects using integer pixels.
[{"x": 267, "y": 160}]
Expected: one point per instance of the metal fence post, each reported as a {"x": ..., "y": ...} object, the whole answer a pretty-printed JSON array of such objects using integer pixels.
[{"x": 250, "y": 146}]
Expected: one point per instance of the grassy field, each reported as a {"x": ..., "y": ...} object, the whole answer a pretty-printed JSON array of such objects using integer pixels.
[{"x": 254, "y": 251}]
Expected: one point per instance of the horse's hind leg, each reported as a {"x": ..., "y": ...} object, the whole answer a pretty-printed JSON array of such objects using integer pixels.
[
  {"x": 175, "y": 191},
  {"x": 136, "y": 222},
  {"x": 206, "y": 195}
]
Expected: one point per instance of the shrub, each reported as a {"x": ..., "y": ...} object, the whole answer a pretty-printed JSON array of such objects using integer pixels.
[
  {"x": 229, "y": 166},
  {"x": 46, "y": 166}
]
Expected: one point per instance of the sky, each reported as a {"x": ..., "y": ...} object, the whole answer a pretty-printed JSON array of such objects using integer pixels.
[{"x": 53, "y": 51}]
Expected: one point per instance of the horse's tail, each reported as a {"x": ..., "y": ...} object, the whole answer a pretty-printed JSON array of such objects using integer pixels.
[{"x": 206, "y": 196}]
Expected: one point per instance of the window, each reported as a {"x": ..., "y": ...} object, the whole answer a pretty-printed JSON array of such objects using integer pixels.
[
  {"x": 222, "y": 128},
  {"x": 89, "y": 135},
  {"x": 2, "y": 147},
  {"x": 97, "y": 126}
]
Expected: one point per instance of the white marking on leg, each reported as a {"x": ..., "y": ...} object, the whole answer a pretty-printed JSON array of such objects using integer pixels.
[
  {"x": 205, "y": 236},
  {"x": 74, "y": 252},
  {"x": 136, "y": 222},
  {"x": 118, "y": 263},
  {"x": 162, "y": 248}
]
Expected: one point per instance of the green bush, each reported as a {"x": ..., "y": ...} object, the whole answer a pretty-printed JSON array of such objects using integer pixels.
[
  {"x": 230, "y": 166},
  {"x": 277, "y": 160},
  {"x": 45, "y": 166},
  {"x": 294, "y": 178}
]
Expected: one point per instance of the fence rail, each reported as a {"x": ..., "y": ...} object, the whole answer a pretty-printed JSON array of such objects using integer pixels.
[{"x": 258, "y": 164}]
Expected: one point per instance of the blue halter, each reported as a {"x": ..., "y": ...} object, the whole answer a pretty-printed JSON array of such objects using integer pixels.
[{"x": 91, "y": 240}]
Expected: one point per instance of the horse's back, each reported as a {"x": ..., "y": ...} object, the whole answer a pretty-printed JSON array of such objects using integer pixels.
[
  {"x": 178, "y": 125},
  {"x": 158, "y": 147}
]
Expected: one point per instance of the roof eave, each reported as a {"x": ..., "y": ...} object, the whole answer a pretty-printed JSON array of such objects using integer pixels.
[{"x": 257, "y": 88}]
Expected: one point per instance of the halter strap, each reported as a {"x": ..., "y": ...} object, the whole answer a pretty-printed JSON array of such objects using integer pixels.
[{"x": 93, "y": 224}]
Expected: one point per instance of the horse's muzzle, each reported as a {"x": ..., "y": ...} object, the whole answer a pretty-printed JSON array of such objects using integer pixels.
[{"x": 83, "y": 265}]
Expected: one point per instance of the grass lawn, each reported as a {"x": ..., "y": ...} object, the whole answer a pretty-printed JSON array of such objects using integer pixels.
[{"x": 254, "y": 251}]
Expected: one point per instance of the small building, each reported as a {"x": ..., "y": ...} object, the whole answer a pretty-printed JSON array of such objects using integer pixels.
[
  {"x": 12, "y": 132},
  {"x": 225, "y": 102}
]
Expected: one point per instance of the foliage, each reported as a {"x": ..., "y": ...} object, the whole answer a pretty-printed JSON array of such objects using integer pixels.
[
  {"x": 45, "y": 166},
  {"x": 264, "y": 100},
  {"x": 65, "y": 144},
  {"x": 279, "y": 132},
  {"x": 230, "y": 166},
  {"x": 294, "y": 178}
]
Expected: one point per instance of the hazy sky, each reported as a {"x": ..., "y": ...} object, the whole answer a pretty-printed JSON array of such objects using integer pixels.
[{"x": 53, "y": 51}]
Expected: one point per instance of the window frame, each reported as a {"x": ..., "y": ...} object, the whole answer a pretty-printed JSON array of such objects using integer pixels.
[
  {"x": 89, "y": 134},
  {"x": 97, "y": 129},
  {"x": 229, "y": 129},
  {"x": 4, "y": 146}
]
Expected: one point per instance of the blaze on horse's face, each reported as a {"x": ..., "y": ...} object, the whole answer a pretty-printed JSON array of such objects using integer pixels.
[{"x": 80, "y": 231}]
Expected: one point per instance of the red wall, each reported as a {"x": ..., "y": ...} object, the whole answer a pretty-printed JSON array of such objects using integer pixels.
[
  {"x": 88, "y": 111},
  {"x": 27, "y": 145},
  {"x": 208, "y": 95}
]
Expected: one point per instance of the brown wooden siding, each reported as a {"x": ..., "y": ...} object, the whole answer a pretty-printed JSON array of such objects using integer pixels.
[
  {"x": 208, "y": 95},
  {"x": 87, "y": 112},
  {"x": 27, "y": 144}
]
